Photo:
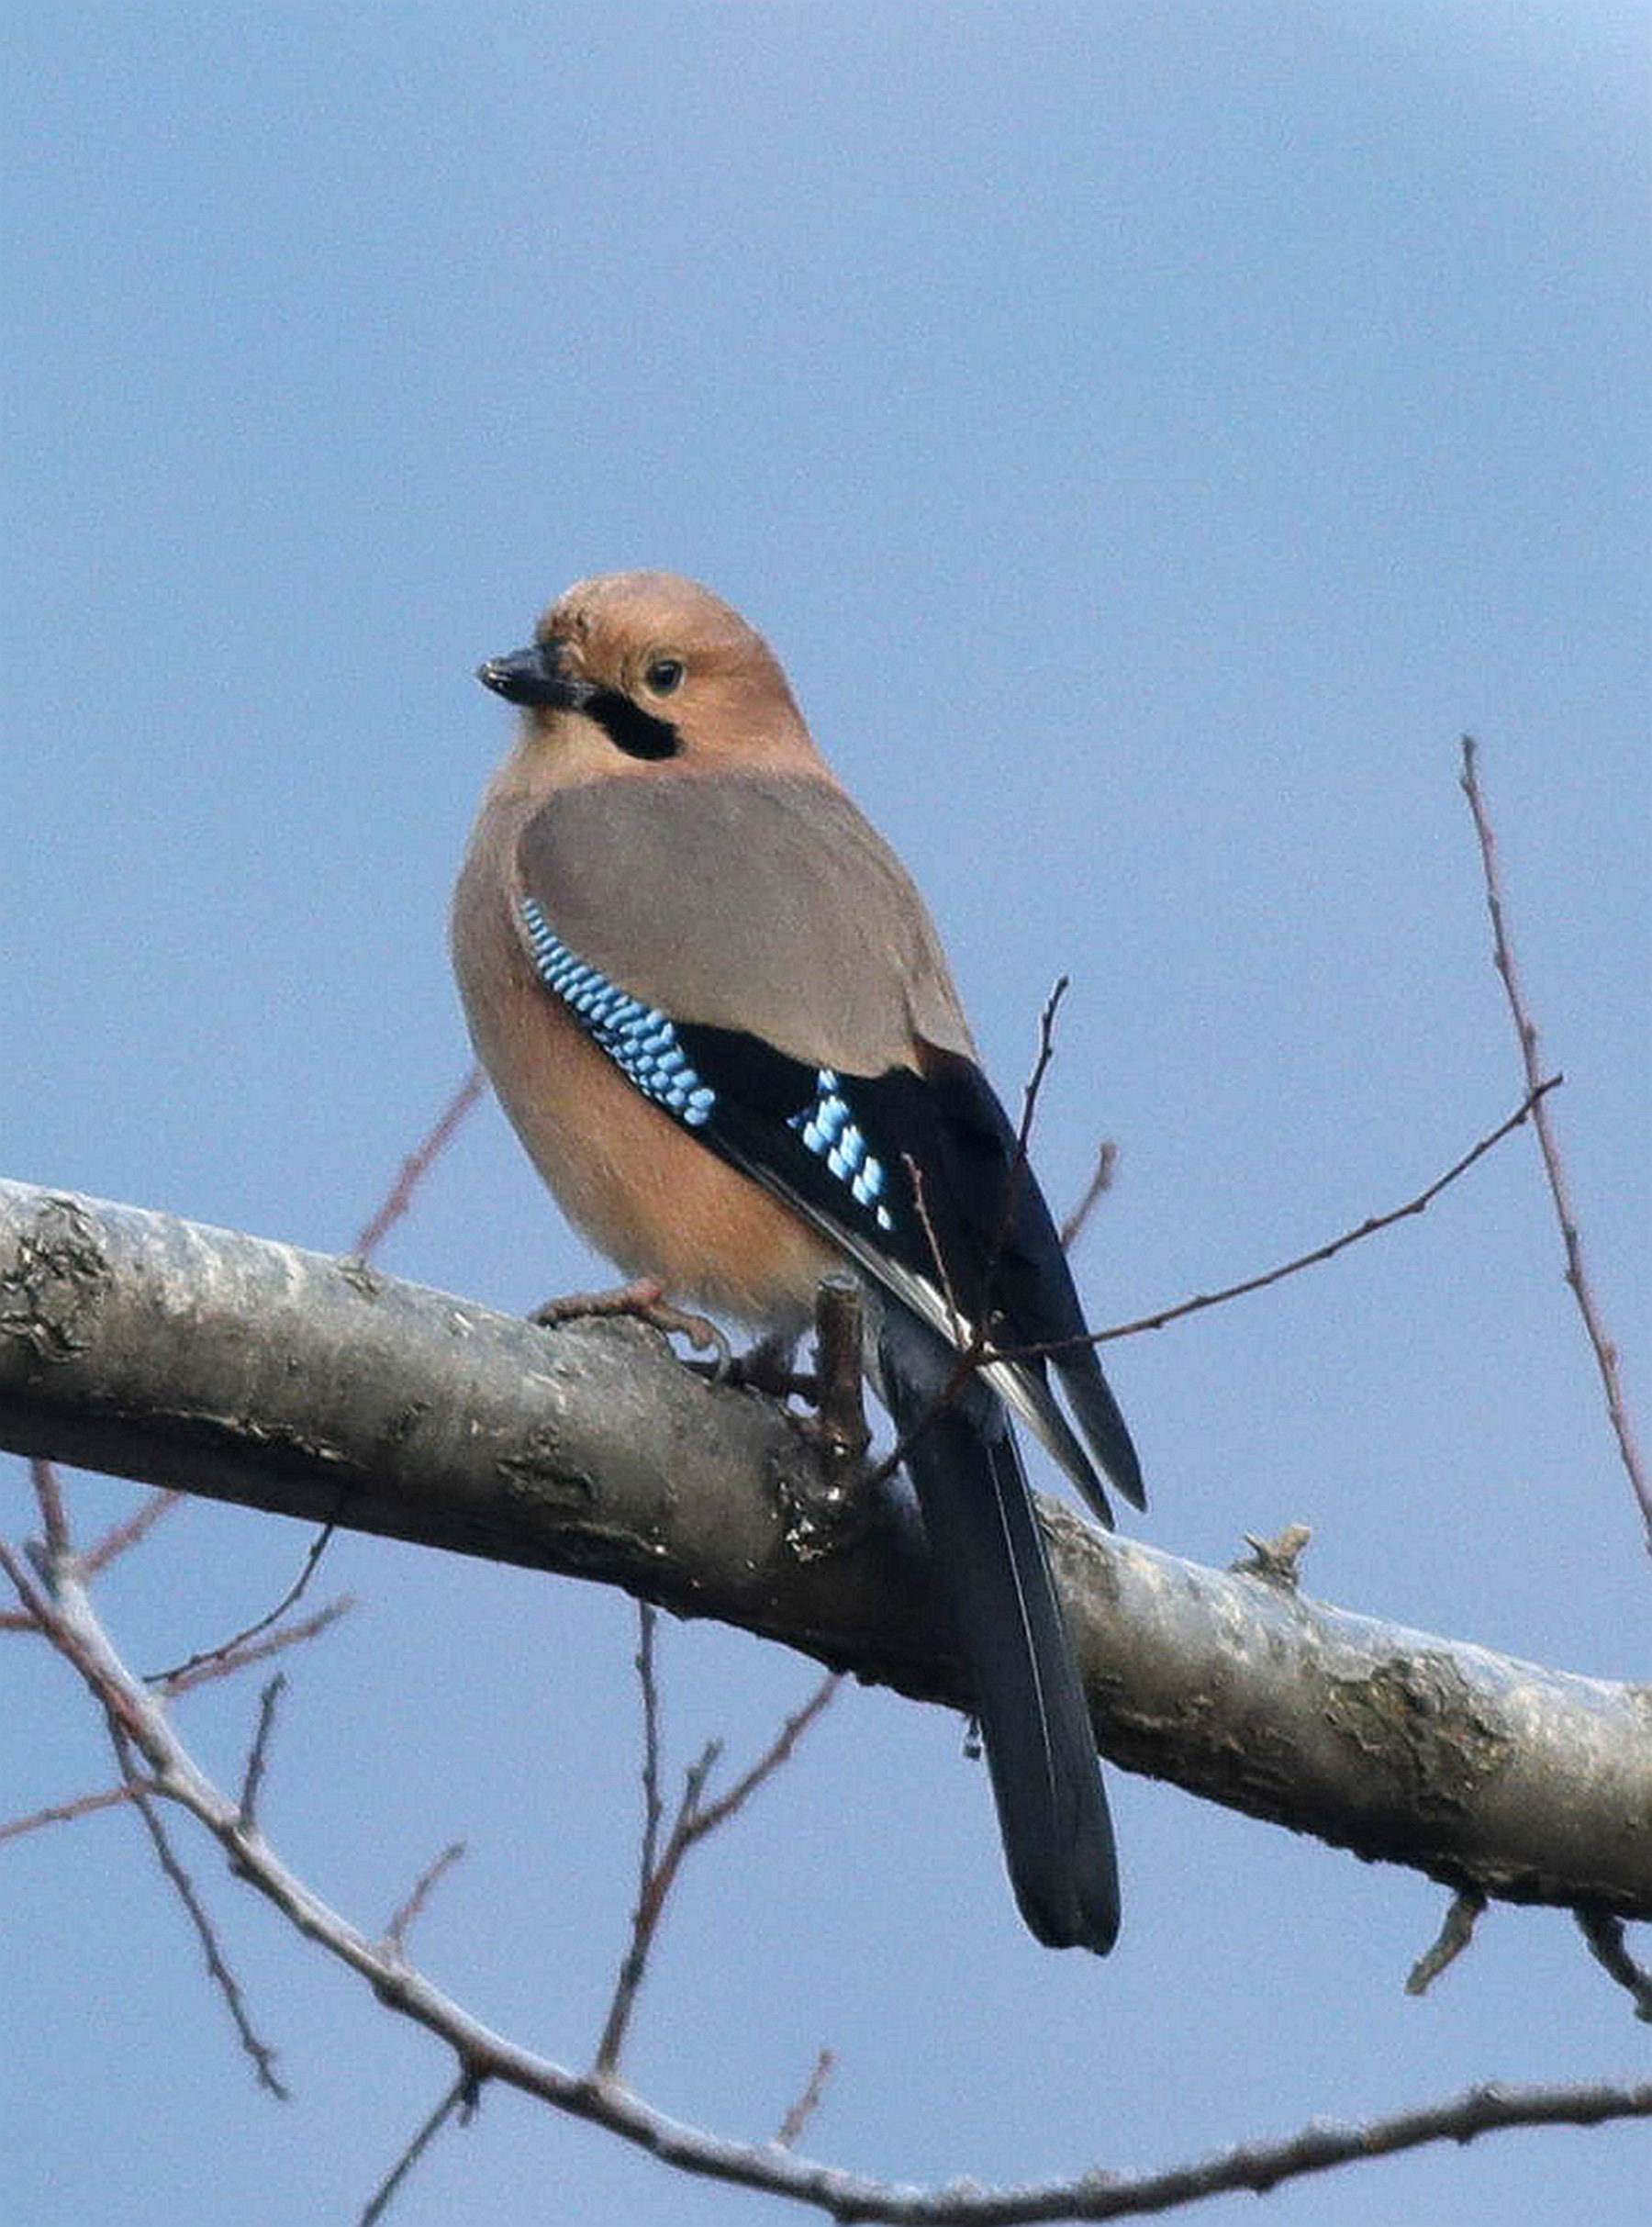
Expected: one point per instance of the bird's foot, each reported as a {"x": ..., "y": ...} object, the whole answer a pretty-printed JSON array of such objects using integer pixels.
[
  {"x": 643, "y": 1300},
  {"x": 767, "y": 1367}
]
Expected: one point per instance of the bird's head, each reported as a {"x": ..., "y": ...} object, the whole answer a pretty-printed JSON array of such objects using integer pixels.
[{"x": 634, "y": 670}]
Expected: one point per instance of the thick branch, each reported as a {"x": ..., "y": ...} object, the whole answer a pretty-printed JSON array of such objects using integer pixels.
[{"x": 159, "y": 1349}]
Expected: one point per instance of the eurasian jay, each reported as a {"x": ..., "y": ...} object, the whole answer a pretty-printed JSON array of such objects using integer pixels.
[{"x": 720, "y": 1020}]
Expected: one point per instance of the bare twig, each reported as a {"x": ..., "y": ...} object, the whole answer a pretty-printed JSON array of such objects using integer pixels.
[
  {"x": 1016, "y": 1172},
  {"x": 1604, "y": 1935},
  {"x": 1456, "y": 1930},
  {"x": 954, "y": 1313},
  {"x": 258, "y": 2051},
  {"x": 258, "y": 1754},
  {"x": 419, "y": 1896},
  {"x": 461, "y": 2099},
  {"x": 417, "y": 1165},
  {"x": 807, "y": 2104},
  {"x": 64, "y": 1813},
  {"x": 35, "y": 1614},
  {"x": 659, "y": 1863},
  {"x": 707, "y": 1820},
  {"x": 1605, "y": 1352},
  {"x": 77, "y": 1636},
  {"x": 130, "y": 1531},
  {"x": 1101, "y": 1183},
  {"x": 235, "y": 1647},
  {"x": 1367, "y": 1228},
  {"x": 648, "y": 1624},
  {"x": 224, "y": 1662},
  {"x": 646, "y": 1911}
]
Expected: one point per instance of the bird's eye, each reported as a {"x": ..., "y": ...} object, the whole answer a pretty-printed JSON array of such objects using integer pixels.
[{"x": 663, "y": 675}]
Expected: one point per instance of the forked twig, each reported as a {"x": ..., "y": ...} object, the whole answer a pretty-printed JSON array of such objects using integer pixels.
[
  {"x": 659, "y": 1861},
  {"x": 261, "y": 2054},
  {"x": 224, "y": 1662},
  {"x": 235, "y": 1649}
]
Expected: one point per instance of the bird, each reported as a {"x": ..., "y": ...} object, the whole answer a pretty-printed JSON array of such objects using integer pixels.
[{"x": 717, "y": 1014}]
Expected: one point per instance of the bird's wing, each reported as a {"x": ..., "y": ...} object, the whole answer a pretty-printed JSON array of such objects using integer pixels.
[{"x": 755, "y": 960}]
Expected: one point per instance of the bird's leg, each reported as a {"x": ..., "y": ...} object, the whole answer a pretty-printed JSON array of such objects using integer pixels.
[{"x": 644, "y": 1300}]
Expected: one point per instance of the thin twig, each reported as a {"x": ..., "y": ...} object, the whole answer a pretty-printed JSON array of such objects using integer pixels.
[
  {"x": 657, "y": 1875},
  {"x": 1072, "y": 1229},
  {"x": 1016, "y": 1172},
  {"x": 648, "y": 1623},
  {"x": 1367, "y": 1228},
  {"x": 419, "y": 1896},
  {"x": 645, "y": 1909},
  {"x": 1605, "y": 1352},
  {"x": 235, "y": 1646},
  {"x": 1608, "y": 1946},
  {"x": 807, "y": 2104},
  {"x": 35, "y": 1614},
  {"x": 778, "y": 1750},
  {"x": 130, "y": 1530},
  {"x": 954, "y": 1312},
  {"x": 226, "y": 1661},
  {"x": 461, "y": 2099},
  {"x": 258, "y": 2051},
  {"x": 659, "y": 1863},
  {"x": 258, "y": 1754},
  {"x": 64, "y": 1813},
  {"x": 416, "y": 1166},
  {"x": 131, "y": 1726},
  {"x": 1456, "y": 1930}
]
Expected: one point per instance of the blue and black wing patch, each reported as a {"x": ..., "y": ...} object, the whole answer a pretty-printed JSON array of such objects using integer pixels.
[
  {"x": 915, "y": 1175},
  {"x": 641, "y": 1042}
]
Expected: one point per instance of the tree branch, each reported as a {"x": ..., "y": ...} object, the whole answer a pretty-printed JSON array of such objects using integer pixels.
[
  {"x": 64, "y": 1616},
  {"x": 251, "y": 1372}
]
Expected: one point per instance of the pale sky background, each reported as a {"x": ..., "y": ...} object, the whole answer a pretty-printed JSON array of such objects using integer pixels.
[{"x": 1149, "y": 435}]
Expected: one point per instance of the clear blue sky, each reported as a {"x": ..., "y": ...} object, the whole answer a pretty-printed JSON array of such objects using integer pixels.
[{"x": 1150, "y": 435}]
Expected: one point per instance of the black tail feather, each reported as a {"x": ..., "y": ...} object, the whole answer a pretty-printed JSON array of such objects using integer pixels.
[{"x": 990, "y": 1556}]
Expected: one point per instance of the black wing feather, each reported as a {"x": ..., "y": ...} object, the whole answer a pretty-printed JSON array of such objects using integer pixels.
[{"x": 952, "y": 1205}]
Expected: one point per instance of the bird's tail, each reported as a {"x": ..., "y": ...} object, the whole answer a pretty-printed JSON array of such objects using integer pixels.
[{"x": 989, "y": 1555}]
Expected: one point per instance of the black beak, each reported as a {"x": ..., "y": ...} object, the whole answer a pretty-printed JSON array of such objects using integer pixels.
[{"x": 536, "y": 677}]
